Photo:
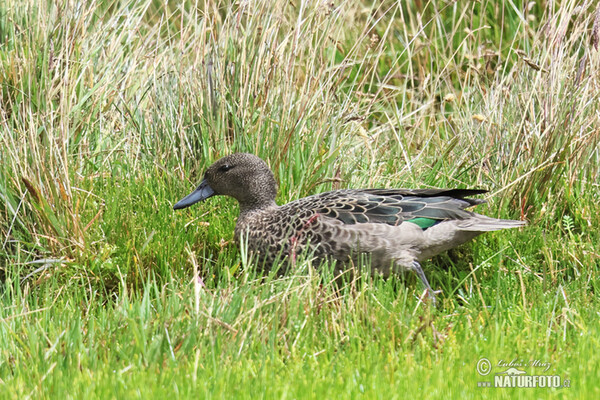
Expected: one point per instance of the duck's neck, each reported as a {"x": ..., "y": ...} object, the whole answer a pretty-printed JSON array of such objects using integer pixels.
[
  {"x": 251, "y": 215},
  {"x": 251, "y": 207}
]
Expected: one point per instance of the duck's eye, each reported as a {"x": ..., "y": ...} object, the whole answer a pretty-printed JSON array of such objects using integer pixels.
[{"x": 225, "y": 167}]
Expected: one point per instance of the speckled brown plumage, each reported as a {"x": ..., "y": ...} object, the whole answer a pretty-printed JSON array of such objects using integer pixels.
[{"x": 397, "y": 228}]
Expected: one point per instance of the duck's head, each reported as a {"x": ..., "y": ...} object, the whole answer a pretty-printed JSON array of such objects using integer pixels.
[{"x": 242, "y": 176}]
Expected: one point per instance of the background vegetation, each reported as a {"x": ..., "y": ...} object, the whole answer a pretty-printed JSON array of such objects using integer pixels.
[{"x": 111, "y": 110}]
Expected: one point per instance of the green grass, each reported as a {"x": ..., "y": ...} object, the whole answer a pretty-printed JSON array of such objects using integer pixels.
[{"x": 111, "y": 110}]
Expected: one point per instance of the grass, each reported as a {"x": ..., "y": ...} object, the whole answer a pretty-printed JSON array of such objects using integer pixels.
[{"x": 111, "y": 110}]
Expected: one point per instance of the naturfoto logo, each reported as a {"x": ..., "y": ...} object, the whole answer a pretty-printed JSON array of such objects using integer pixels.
[{"x": 513, "y": 374}]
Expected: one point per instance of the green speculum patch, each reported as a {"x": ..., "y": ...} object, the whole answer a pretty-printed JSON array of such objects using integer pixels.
[{"x": 424, "y": 223}]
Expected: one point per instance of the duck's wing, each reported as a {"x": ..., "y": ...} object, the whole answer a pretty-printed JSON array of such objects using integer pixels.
[{"x": 424, "y": 207}]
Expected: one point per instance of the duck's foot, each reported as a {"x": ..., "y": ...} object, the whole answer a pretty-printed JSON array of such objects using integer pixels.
[{"x": 429, "y": 291}]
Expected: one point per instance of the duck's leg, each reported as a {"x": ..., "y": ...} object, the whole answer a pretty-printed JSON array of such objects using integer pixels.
[{"x": 419, "y": 271}]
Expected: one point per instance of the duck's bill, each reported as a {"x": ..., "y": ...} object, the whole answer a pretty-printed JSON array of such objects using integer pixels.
[{"x": 202, "y": 192}]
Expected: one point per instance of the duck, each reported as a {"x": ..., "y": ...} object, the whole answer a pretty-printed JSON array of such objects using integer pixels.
[{"x": 397, "y": 229}]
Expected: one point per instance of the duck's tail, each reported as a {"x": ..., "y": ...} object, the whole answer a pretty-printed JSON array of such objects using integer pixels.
[{"x": 481, "y": 223}]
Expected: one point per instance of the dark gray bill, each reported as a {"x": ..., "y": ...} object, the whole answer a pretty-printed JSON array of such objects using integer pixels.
[{"x": 202, "y": 192}]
